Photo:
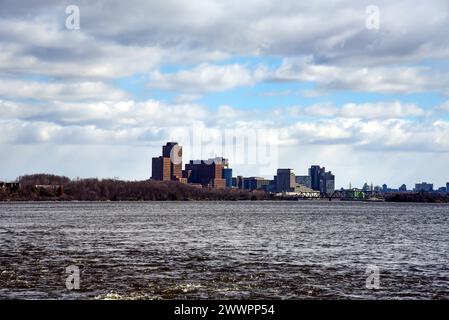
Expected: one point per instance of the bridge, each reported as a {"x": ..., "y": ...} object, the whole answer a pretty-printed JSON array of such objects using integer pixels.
[{"x": 355, "y": 195}]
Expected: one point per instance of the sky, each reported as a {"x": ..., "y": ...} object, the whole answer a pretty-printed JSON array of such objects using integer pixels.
[{"x": 360, "y": 87}]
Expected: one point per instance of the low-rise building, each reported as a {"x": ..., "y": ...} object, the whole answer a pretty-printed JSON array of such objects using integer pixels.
[
  {"x": 238, "y": 182},
  {"x": 9, "y": 186},
  {"x": 306, "y": 192},
  {"x": 301, "y": 191},
  {"x": 424, "y": 187},
  {"x": 255, "y": 183}
]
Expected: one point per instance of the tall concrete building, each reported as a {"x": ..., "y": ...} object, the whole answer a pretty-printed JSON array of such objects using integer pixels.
[
  {"x": 173, "y": 151},
  {"x": 168, "y": 166},
  {"x": 285, "y": 180},
  {"x": 322, "y": 181},
  {"x": 327, "y": 183},
  {"x": 315, "y": 177},
  {"x": 160, "y": 167}
]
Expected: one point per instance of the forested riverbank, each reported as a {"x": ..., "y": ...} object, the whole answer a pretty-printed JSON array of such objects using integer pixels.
[{"x": 43, "y": 187}]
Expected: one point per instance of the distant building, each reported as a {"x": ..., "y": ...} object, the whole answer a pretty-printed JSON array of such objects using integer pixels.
[
  {"x": 227, "y": 176},
  {"x": 168, "y": 166},
  {"x": 403, "y": 188},
  {"x": 285, "y": 180},
  {"x": 354, "y": 193},
  {"x": 255, "y": 183},
  {"x": 306, "y": 192},
  {"x": 386, "y": 189},
  {"x": 9, "y": 186},
  {"x": 160, "y": 167},
  {"x": 208, "y": 173},
  {"x": 314, "y": 174},
  {"x": 424, "y": 187},
  {"x": 321, "y": 180},
  {"x": 304, "y": 180},
  {"x": 270, "y": 187},
  {"x": 237, "y": 182},
  {"x": 447, "y": 186},
  {"x": 366, "y": 187}
]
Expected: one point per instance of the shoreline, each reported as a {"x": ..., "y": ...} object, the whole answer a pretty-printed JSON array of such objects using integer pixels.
[
  {"x": 45, "y": 187},
  {"x": 213, "y": 200}
]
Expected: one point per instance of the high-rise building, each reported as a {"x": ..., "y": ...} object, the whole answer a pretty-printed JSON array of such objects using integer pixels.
[
  {"x": 322, "y": 181},
  {"x": 447, "y": 186},
  {"x": 169, "y": 165},
  {"x": 208, "y": 173},
  {"x": 327, "y": 183},
  {"x": 161, "y": 169},
  {"x": 173, "y": 151},
  {"x": 314, "y": 174},
  {"x": 285, "y": 180},
  {"x": 403, "y": 188}
]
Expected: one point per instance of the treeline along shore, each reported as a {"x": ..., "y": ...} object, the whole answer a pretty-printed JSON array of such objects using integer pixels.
[{"x": 48, "y": 187}]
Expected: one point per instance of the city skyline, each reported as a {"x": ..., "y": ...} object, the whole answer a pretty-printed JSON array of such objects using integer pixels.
[
  {"x": 365, "y": 97},
  {"x": 302, "y": 172},
  {"x": 217, "y": 173}
]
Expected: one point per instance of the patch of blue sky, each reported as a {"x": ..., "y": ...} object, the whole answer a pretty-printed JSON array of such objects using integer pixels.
[
  {"x": 30, "y": 77},
  {"x": 37, "y": 78},
  {"x": 263, "y": 96},
  {"x": 250, "y": 62},
  {"x": 435, "y": 63},
  {"x": 253, "y": 61},
  {"x": 267, "y": 95},
  {"x": 137, "y": 87}
]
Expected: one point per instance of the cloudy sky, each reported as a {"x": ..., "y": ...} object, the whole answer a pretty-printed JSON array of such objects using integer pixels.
[{"x": 368, "y": 101}]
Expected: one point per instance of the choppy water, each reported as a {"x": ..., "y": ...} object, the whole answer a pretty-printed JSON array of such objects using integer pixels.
[{"x": 166, "y": 250}]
